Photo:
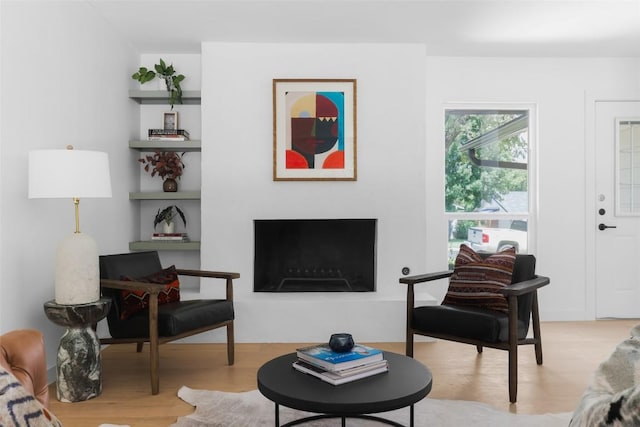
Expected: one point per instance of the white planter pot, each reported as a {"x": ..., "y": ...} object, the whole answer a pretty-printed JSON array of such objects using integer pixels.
[
  {"x": 162, "y": 83},
  {"x": 168, "y": 228}
]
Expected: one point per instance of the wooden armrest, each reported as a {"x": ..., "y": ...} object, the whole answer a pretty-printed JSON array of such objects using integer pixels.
[
  {"x": 126, "y": 285},
  {"x": 211, "y": 274},
  {"x": 215, "y": 275},
  {"x": 522, "y": 288},
  {"x": 412, "y": 280},
  {"x": 154, "y": 288}
]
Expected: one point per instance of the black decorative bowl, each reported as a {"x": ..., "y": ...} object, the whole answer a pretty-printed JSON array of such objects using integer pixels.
[{"x": 341, "y": 343}]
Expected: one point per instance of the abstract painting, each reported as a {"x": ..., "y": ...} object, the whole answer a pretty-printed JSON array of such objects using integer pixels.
[{"x": 314, "y": 130}]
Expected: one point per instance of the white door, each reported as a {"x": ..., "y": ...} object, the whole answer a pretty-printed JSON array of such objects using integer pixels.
[{"x": 617, "y": 140}]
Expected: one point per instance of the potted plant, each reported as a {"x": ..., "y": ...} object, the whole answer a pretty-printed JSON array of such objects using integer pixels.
[
  {"x": 166, "y": 217},
  {"x": 167, "y": 73},
  {"x": 167, "y": 165}
]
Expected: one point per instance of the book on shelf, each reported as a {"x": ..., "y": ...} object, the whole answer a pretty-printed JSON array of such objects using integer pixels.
[
  {"x": 342, "y": 377},
  {"x": 168, "y": 138},
  {"x": 321, "y": 355},
  {"x": 168, "y": 135},
  {"x": 181, "y": 237},
  {"x": 169, "y": 132}
]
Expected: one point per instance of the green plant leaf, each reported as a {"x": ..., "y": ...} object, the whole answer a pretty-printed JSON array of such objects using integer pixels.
[
  {"x": 149, "y": 76},
  {"x": 184, "y": 220},
  {"x": 143, "y": 75},
  {"x": 167, "y": 215}
]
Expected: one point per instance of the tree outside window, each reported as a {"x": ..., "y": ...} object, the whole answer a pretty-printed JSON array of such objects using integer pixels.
[{"x": 487, "y": 178}]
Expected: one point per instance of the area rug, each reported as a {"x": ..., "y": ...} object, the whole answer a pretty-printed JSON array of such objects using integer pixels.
[{"x": 251, "y": 409}]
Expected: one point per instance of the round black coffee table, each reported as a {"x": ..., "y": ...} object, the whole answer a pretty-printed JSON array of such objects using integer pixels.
[{"x": 406, "y": 383}]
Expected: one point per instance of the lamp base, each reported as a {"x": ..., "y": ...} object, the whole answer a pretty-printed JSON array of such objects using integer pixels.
[{"x": 77, "y": 270}]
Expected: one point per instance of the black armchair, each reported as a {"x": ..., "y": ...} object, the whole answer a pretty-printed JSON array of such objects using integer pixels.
[
  {"x": 160, "y": 323},
  {"x": 482, "y": 327}
]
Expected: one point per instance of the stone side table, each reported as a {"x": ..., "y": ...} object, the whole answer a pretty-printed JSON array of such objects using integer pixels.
[{"x": 79, "y": 366}]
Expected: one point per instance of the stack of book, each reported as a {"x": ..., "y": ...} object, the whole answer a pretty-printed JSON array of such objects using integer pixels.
[
  {"x": 174, "y": 237},
  {"x": 168, "y": 135},
  {"x": 339, "y": 368}
]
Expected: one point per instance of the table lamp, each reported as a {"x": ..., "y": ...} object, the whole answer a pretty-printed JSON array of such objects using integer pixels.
[{"x": 73, "y": 174}]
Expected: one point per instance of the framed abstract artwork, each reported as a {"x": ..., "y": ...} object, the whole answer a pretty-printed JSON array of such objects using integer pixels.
[{"x": 314, "y": 130}]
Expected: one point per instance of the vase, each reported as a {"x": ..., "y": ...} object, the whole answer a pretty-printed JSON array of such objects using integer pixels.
[
  {"x": 170, "y": 185},
  {"x": 165, "y": 83},
  {"x": 341, "y": 343},
  {"x": 168, "y": 227}
]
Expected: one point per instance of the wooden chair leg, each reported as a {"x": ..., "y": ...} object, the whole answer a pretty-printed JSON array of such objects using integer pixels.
[
  {"x": 479, "y": 348},
  {"x": 154, "y": 351},
  {"x": 536, "y": 328},
  {"x": 513, "y": 349},
  {"x": 409, "y": 331},
  {"x": 513, "y": 374},
  {"x": 230, "y": 344},
  {"x": 409, "y": 344}
]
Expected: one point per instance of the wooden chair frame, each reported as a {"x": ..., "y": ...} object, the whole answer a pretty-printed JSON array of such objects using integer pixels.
[
  {"x": 153, "y": 339},
  {"x": 511, "y": 292}
]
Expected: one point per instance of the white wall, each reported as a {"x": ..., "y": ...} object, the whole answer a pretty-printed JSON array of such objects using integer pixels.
[
  {"x": 237, "y": 180},
  {"x": 559, "y": 87},
  {"x": 235, "y": 193},
  {"x": 65, "y": 76},
  {"x": 64, "y": 79}
]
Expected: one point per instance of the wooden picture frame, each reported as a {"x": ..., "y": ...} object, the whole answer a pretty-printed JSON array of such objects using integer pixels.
[
  {"x": 314, "y": 130},
  {"x": 170, "y": 120}
]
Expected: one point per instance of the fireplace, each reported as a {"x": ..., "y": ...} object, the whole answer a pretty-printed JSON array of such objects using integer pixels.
[{"x": 315, "y": 255}]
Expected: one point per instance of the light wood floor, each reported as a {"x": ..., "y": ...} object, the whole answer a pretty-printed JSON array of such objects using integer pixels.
[{"x": 572, "y": 351}]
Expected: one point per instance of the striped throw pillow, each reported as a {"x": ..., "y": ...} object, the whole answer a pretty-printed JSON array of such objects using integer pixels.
[
  {"x": 477, "y": 282},
  {"x": 19, "y": 408}
]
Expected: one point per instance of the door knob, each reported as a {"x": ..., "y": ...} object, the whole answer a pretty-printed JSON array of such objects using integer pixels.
[{"x": 604, "y": 226}]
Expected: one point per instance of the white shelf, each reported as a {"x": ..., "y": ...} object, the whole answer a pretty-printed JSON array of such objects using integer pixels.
[
  {"x": 191, "y": 145},
  {"x": 162, "y": 96},
  {"x": 159, "y": 97},
  {"x": 164, "y": 195},
  {"x": 150, "y": 245}
]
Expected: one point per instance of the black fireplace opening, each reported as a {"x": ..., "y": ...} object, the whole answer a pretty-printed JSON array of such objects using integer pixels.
[{"x": 315, "y": 255}]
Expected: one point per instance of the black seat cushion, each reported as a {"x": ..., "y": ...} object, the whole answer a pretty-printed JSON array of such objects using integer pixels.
[
  {"x": 479, "y": 323},
  {"x": 174, "y": 318},
  {"x": 524, "y": 268},
  {"x": 465, "y": 322},
  {"x": 134, "y": 264}
]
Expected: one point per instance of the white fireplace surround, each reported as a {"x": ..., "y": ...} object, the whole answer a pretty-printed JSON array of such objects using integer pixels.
[{"x": 237, "y": 183}]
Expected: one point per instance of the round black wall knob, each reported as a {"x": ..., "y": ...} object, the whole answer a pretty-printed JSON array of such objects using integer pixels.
[{"x": 406, "y": 270}]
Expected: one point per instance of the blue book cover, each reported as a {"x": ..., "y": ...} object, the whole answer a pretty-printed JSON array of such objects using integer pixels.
[{"x": 323, "y": 356}]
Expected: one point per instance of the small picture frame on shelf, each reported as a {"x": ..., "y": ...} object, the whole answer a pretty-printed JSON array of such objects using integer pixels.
[{"x": 170, "y": 120}]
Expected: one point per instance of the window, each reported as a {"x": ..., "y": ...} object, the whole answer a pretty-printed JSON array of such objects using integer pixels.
[
  {"x": 488, "y": 189},
  {"x": 628, "y": 167}
]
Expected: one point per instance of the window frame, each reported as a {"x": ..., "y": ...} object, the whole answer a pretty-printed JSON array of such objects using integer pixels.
[
  {"x": 532, "y": 172},
  {"x": 632, "y": 152}
]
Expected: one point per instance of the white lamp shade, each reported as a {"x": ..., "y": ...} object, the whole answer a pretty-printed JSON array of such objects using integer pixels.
[
  {"x": 72, "y": 174},
  {"x": 68, "y": 174}
]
